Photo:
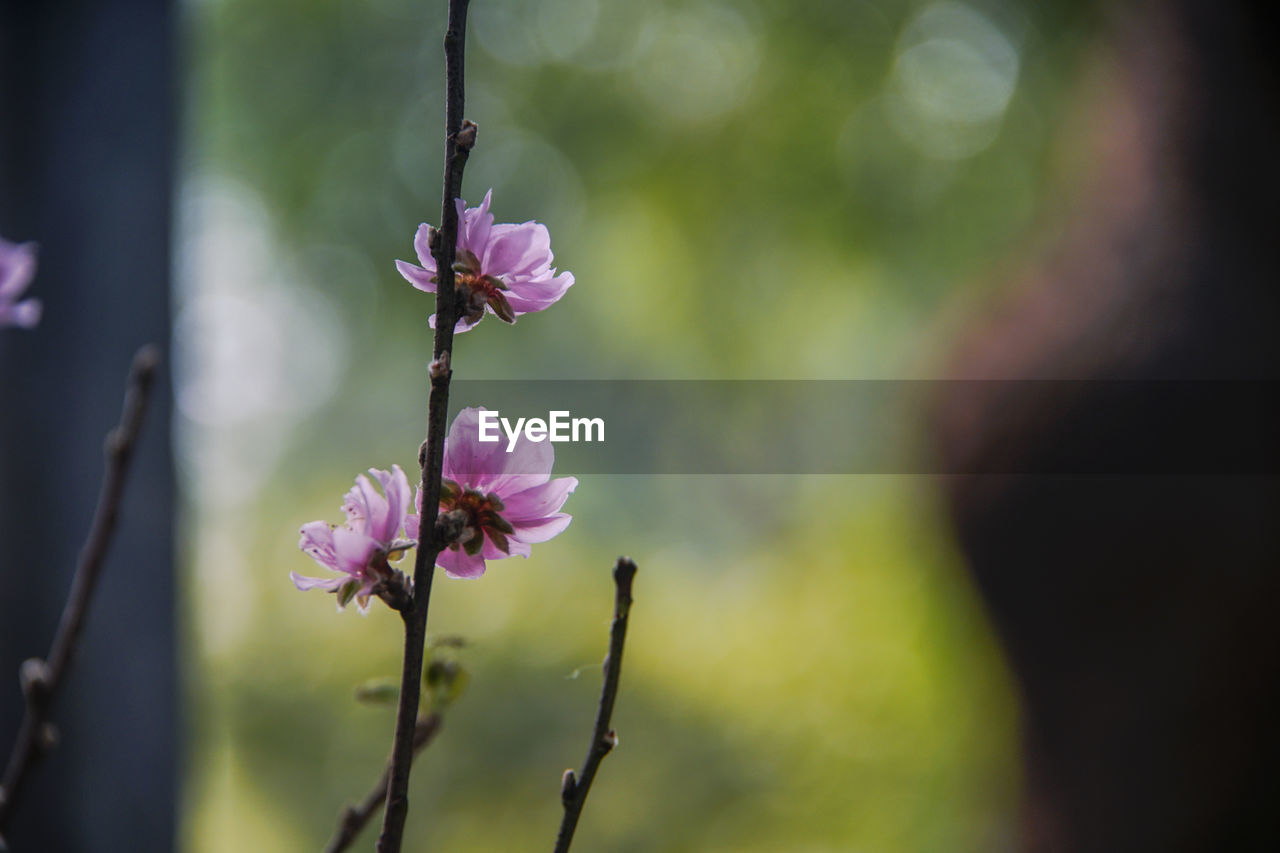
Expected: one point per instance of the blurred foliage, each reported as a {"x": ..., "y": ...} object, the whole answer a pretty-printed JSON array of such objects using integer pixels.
[{"x": 743, "y": 190}]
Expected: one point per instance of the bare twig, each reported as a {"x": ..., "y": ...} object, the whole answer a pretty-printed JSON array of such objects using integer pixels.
[
  {"x": 460, "y": 136},
  {"x": 574, "y": 789},
  {"x": 42, "y": 679},
  {"x": 355, "y": 817}
]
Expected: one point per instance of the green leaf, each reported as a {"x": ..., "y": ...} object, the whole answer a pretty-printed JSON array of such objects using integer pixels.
[
  {"x": 348, "y": 591},
  {"x": 378, "y": 691},
  {"x": 444, "y": 681}
]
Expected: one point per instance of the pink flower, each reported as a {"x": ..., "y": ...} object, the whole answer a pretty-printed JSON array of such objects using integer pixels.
[
  {"x": 359, "y": 549},
  {"x": 506, "y": 501},
  {"x": 504, "y": 269},
  {"x": 17, "y": 266}
]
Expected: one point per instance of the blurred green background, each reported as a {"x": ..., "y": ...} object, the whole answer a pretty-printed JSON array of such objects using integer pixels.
[{"x": 743, "y": 190}]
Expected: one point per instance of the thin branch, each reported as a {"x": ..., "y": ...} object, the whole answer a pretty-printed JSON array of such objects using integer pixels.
[
  {"x": 574, "y": 789},
  {"x": 460, "y": 136},
  {"x": 355, "y": 817},
  {"x": 42, "y": 679}
]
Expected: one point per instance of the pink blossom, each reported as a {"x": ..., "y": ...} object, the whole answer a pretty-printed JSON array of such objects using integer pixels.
[
  {"x": 359, "y": 549},
  {"x": 17, "y": 266},
  {"x": 506, "y": 501},
  {"x": 503, "y": 269}
]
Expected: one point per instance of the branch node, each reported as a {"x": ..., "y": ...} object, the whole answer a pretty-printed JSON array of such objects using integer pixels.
[
  {"x": 35, "y": 678},
  {"x": 395, "y": 590},
  {"x": 568, "y": 785},
  {"x": 603, "y": 737},
  {"x": 42, "y": 678},
  {"x": 466, "y": 138},
  {"x": 47, "y": 737},
  {"x": 439, "y": 368}
]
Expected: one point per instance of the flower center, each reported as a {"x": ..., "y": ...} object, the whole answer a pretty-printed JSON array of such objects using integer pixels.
[
  {"x": 481, "y": 517},
  {"x": 476, "y": 290}
]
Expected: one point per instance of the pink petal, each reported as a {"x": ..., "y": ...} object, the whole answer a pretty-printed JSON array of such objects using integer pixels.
[
  {"x": 542, "y": 291},
  {"x": 542, "y": 529},
  {"x": 517, "y": 548},
  {"x": 24, "y": 315},
  {"x": 528, "y": 465},
  {"x": 536, "y": 503},
  {"x": 17, "y": 267},
  {"x": 386, "y": 513},
  {"x": 304, "y": 583},
  {"x": 467, "y": 460},
  {"x": 515, "y": 249},
  {"x": 422, "y": 248},
  {"x": 474, "y": 226},
  {"x": 353, "y": 549},
  {"x": 317, "y": 543},
  {"x": 417, "y": 276},
  {"x": 463, "y": 324},
  {"x": 459, "y": 564}
]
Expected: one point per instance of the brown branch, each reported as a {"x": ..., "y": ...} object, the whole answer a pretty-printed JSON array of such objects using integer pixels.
[
  {"x": 574, "y": 789},
  {"x": 460, "y": 136},
  {"x": 355, "y": 817},
  {"x": 42, "y": 679}
]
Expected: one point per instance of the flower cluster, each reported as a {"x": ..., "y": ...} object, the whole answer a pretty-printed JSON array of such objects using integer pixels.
[
  {"x": 17, "y": 266},
  {"x": 502, "y": 269},
  {"x": 495, "y": 502}
]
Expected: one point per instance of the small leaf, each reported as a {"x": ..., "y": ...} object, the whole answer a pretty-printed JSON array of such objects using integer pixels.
[
  {"x": 449, "y": 491},
  {"x": 498, "y": 538},
  {"x": 501, "y": 307},
  {"x": 494, "y": 521},
  {"x": 378, "y": 691},
  {"x": 348, "y": 591},
  {"x": 445, "y": 681}
]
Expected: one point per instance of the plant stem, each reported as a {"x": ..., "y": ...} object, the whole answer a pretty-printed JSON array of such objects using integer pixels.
[
  {"x": 355, "y": 817},
  {"x": 42, "y": 679},
  {"x": 574, "y": 790},
  {"x": 459, "y": 138}
]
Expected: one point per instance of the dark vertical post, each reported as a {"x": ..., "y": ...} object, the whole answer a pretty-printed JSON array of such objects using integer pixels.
[{"x": 87, "y": 118}]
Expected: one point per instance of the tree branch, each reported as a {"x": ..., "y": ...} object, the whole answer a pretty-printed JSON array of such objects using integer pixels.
[
  {"x": 42, "y": 679},
  {"x": 355, "y": 817},
  {"x": 574, "y": 789},
  {"x": 460, "y": 136}
]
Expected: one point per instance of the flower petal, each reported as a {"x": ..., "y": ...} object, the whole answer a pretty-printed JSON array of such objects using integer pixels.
[
  {"x": 317, "y": 543},
  {"x": 527, "y": 296},
  {"x": 354, "y": 550},
  {"x": 517, "y": 249},
  {"x": 304, "y": 583},
  {"x": 422, "y": 248},
  {"x": 17, "y": 267},
  {"x": 540, "y": 531},
  {"x": 467, "y": 460},
  {"x": 417, "y": 276},
  {"x": 474, "y": 225},
  {"x": 463, "y": 324},
  {"x": 536, "y": 503},
  {"x": 458, "y": 564}
]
